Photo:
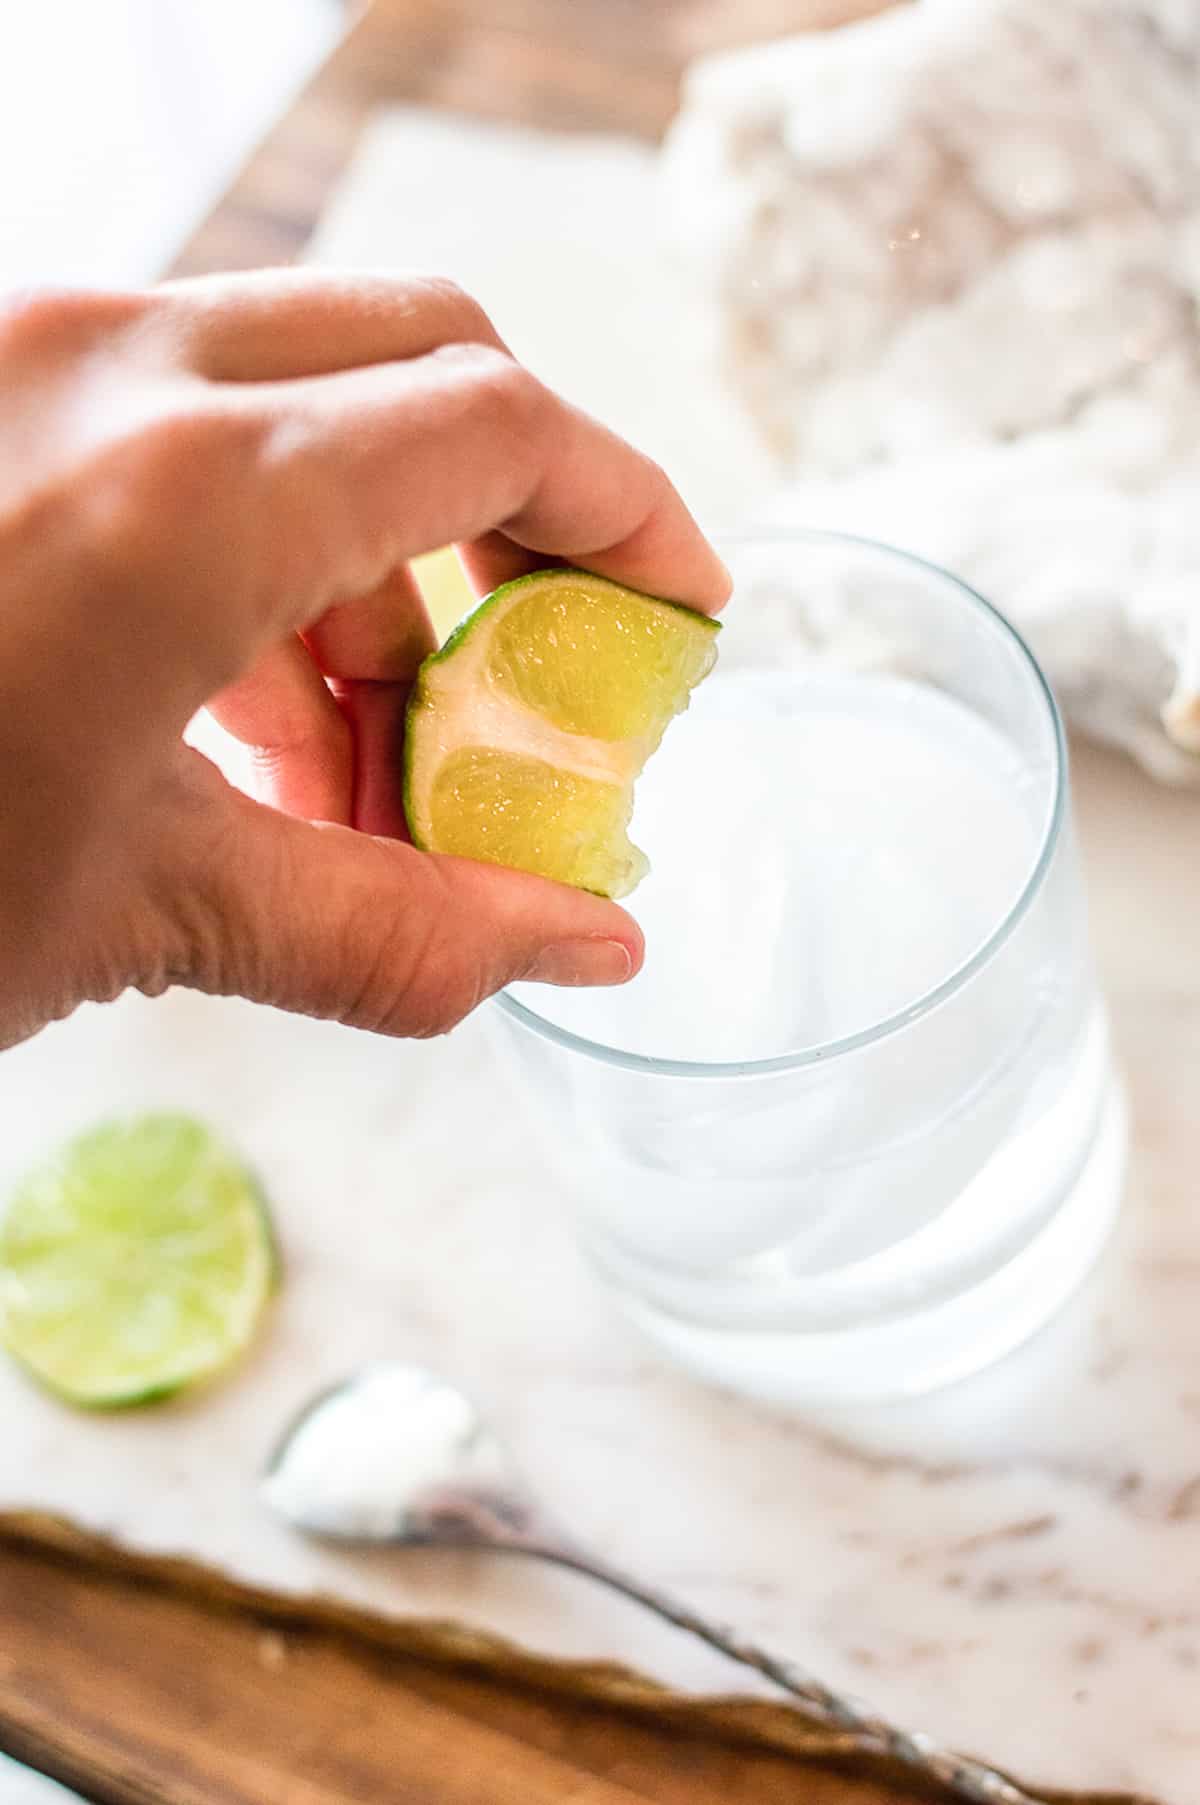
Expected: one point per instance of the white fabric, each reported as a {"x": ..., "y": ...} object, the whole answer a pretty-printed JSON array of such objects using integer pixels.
[{"x": 949, "y": 257}]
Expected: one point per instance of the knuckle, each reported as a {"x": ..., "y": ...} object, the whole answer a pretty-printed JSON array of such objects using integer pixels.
[
  {"x": 468, "y": 319},
  {"x": 427, "y": 969},
  {"x": 153, "y": 484},
  {"x": 40, "y": 320},
  {"x": 173, "y": 453},
  {"x": 655, "y": 473},
  {"x": 498, "y": 387},
  {"x": 431, "y": 1025},
  {"x": 430, "y": 1003},
  {"x": 445, "y": 288},
  {"x": 432, "y": 1010},
  {"x": 111, "y": 500},
  {"x": 654, "y": 485},
  {"x": 444, "y": 991}
]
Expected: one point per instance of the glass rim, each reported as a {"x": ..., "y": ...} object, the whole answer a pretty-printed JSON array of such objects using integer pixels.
[{"x": 824, "y": 1052}]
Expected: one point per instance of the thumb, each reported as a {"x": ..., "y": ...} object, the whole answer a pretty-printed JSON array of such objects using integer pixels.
[{"x": 327, "y": 921}]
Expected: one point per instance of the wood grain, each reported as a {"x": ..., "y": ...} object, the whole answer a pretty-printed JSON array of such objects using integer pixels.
[
  {"x": 150, "y": 1681},
  {"x": 143, "y": 1692}
]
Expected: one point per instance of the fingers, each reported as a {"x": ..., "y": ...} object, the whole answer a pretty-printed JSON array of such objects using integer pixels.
[
  {"x": 266, "y": 325},
  {"x": 332, "y": 923},
  {"x": 370, "y": 649},
  {"x": 366, "y": 469},
  {"x": 596, "y": 502},
  {"x": 495, "y": 559},
  {"x": 375, "y": 713},
  {"x": 334, "y": 751},
  {"x": 300, "y": 741},
  {"x": 380, "y": 637},
  {"x": 237, "y": 512}
]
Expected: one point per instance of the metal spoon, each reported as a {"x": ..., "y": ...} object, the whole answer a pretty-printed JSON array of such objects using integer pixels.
[{"x": 399, "y": 1456}]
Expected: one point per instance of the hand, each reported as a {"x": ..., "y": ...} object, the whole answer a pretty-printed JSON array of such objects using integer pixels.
[{"x": 208, "y": 495}]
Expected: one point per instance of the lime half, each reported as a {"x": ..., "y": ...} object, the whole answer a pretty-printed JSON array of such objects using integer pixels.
[
  {"x": 527, "y": 730},
  {"x": 135, "y": 1262}
]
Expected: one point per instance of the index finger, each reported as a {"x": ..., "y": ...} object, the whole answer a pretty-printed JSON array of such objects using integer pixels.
[
  {"x": 599, "y": 503},
  {"x": 369, "y": 650},
  {"x": 281, "y": 325},
  {"x": 365, "y": 469}
]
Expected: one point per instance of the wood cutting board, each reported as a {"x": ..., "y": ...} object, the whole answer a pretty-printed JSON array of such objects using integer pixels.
[{"x": 148, "y": 1682}]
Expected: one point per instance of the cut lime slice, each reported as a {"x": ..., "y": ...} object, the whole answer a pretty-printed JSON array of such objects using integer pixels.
[
  {"x": 527, "y": 730},
  {"x": 135, "y": 1262}
]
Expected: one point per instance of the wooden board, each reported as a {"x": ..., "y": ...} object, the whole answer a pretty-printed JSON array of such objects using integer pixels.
[
  {"x": 145, "y": 1682},
  {"x": 142, "y": 1690}
]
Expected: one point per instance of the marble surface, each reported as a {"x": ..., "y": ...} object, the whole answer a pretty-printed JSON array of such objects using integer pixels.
[
  {"x": 863, "y": 211},
  {"x": 21, "y": 1786},
  {"x": 1013, "y": 1565}
]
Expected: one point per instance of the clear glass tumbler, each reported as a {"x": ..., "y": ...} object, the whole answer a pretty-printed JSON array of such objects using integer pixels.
[{"x": 853, "y": 1133}]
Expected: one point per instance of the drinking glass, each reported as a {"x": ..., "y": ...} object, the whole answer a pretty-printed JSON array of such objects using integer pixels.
[{"x": 854, "y": 1131}]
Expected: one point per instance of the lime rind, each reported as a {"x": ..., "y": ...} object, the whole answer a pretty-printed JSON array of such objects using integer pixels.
[{"x": 521, "y": 586}]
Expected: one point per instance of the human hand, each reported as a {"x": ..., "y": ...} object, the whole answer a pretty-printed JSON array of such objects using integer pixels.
[{"x": 209, "y": 494}]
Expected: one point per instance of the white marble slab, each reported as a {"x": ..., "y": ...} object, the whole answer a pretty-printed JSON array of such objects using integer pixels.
[
  {"x": 21, "y": 1786},
  {"x": 1014, "y": 1566}
]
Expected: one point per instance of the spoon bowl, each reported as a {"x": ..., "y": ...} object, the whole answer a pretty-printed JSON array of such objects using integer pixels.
[{"x": 396, "y": 1454}]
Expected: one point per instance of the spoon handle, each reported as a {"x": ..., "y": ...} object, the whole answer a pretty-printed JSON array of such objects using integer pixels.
[{"x": 842, "y": 1711}]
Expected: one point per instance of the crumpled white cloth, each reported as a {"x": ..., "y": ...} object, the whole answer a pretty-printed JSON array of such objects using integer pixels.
[
  {"x": 951, "y": 256},
  {"x": 958, "y": 220},
  {"x": 1101, "y": 576}
]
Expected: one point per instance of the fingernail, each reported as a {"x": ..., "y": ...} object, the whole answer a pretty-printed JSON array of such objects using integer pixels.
[{"x": 582, "y": 962}]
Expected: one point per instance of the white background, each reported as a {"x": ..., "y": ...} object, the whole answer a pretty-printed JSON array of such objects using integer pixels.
[{"x": 122, "y": 120}]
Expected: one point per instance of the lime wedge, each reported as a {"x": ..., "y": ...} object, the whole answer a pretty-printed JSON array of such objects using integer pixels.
[
  {"x": 135, "y": 1262},
  {"x": 527, "y": 730}
]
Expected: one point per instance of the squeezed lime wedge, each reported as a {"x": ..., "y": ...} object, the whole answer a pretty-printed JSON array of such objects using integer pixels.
[{"x": 527, "y": 730}]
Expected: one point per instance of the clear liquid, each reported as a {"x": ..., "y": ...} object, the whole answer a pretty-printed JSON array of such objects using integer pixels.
[
  {"x": 827, "y": 850},
  {"x": 822, "y": 854}
]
